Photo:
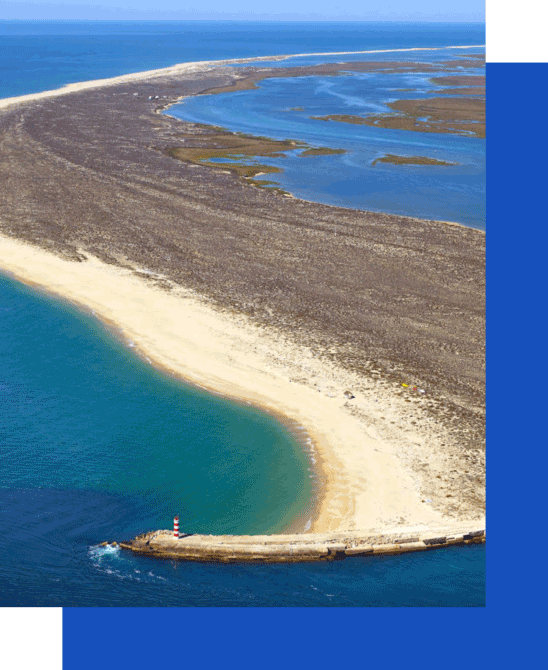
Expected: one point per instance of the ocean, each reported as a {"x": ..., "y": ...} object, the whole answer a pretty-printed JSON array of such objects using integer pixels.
[{"x": 98, "y": 445}]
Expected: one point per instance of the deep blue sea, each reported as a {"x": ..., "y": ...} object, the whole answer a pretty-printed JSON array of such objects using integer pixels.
[{"x": 96, "y": 445}]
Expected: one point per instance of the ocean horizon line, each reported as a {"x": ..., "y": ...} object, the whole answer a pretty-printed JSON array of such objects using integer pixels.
[{"x": 341, "y": 21}]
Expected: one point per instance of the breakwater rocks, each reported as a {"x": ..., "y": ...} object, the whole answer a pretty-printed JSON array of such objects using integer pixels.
[{"x": 295, "y": 548}]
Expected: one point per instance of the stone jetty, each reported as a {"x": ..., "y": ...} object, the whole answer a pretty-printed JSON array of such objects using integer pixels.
[{"x": 301, "y": 547}]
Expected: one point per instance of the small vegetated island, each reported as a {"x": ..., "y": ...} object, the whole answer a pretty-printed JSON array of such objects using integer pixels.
[
  {"x": 365, "y": 330},
  {"x": 393, "y": 159}
]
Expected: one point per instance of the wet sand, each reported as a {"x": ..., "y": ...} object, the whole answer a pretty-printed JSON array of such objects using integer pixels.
[{"x": 317, "y": 313}]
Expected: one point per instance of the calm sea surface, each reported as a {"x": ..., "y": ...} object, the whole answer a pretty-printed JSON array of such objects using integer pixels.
[{"x": 96, "y": 445}]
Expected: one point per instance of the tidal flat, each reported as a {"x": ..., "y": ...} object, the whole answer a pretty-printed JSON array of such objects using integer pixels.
[
  {"x": 222, "y": 150},
  {"x": 460, "y": 114},
  {"x": 433, "y": 115}
]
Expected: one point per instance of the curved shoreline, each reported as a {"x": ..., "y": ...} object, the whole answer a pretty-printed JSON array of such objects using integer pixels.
[
  {"x": 305, "y": 520},
  {"x": 387, "y": 489},
  {"x": 47, "y": 276},
  {"x": 365, "y": 457}
]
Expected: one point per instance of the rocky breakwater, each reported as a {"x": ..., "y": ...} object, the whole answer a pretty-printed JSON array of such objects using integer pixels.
[{"x": 295, "y": 548}]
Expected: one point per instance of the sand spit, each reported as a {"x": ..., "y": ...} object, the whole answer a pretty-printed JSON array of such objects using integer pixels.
[
  {"x": 189, "y": 67},
  {"x": 315, "y": 313}
]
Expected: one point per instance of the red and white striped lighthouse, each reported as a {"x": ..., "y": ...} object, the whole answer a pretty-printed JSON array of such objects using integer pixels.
[{"x": 176, "y": 527}]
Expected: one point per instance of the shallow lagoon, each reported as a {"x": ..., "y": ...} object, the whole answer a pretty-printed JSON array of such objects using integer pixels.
[{"x": 281, "y": 108}]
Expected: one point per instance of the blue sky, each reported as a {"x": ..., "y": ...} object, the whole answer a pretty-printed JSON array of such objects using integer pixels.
[{"x": 298, "y": 10}]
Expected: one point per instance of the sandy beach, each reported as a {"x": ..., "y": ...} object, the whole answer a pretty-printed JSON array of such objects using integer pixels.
[
  {"x": 365, "y": 481},
  {"x": 111, "y": 223}
]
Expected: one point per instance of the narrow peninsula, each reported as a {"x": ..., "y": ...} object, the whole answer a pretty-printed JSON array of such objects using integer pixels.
[{"x": 364, "y": 332}]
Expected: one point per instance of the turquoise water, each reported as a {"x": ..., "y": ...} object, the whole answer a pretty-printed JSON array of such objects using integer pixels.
[
  {"x": 97, "y": 445},
  {"x": 89, "y": 415}
]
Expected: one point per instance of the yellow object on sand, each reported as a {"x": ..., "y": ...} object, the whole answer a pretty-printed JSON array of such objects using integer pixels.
[{"x": 406, "y": 385}]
